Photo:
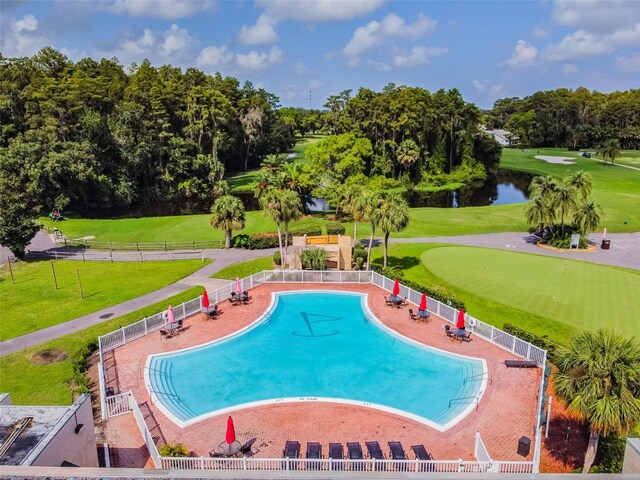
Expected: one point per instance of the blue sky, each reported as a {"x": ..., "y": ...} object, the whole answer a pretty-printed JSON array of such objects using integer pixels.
[{"x": 486, "y": 49}]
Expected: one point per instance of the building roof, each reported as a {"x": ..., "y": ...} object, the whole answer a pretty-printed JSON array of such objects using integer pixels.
[{"x": 28, "y": 444}]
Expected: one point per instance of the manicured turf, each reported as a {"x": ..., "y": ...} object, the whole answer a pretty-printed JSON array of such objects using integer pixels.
[
  {"x": 244, "y": 269},
  {"x": 31, "y": 383},
  {"x": 627, "y": 157},
  {"x": 544, "y": 295},
  {"x": 33, "y": 302}
]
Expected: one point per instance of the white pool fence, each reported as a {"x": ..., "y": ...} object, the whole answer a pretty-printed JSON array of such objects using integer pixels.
[{"x": 121, "y": 403}]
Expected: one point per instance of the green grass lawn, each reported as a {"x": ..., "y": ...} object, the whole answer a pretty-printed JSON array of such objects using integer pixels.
[
  {"x": 31, "y": 383},
  {"x": 545, "y": 295},
  {"x": 33, "y": 302},
  {"x": 244, "y": 269},
  {"x": 627, "y": 157}
]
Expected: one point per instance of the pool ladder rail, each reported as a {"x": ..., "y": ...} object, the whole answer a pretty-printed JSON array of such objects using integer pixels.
[
  {"x": 478, "y": 376},
  {"x": 469, "y": 399}
]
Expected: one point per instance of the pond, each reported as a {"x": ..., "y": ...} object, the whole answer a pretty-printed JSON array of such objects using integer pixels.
[{"x": 505, "y": 187}]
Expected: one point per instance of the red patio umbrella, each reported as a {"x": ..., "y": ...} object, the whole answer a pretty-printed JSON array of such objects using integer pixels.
[
  {"x": 230, "y": 437},
  {"x": 396, "y": 288},
  {"x": 460, "y": 323},
  {"x": 205, "y": 299},
  {"x": 423, "y": 302}
]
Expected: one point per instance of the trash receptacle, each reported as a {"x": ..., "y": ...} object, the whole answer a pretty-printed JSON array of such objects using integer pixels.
[{"x": 605, "y": 244}]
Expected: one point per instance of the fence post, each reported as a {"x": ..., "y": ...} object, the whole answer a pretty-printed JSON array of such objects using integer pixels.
[
  {"x": 141, "y": 260},
  {"x": 146, "y": 331},
  {"x": 244, "y": 463},
  {"x": 111, "y": 256},
  {"x": 138, "y": 246},
  {"x": 201, "y": 463},
  {"x": 124, "y": 339},
  {"x": 82, "y": 256},
  {"x": 165, "y": 246},
  {"x": 110, "y": 246},
  {"x": 193, "y": 245},
  {"x": 528, "y": 351}
]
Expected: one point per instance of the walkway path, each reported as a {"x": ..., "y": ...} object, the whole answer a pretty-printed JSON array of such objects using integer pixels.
[
  {"x": 221, "y": 259},
  {"x": 624, "y": 250}
]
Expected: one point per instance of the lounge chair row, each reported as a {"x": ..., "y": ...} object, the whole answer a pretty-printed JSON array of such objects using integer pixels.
[{"x": 354, "y": 451}]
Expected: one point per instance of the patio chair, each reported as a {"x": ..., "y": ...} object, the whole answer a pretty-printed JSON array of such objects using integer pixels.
[
  {"x": 422, "y": 454},
  {"x": 164, "y": 333},
  {"x": 211, "y": 313},
  {"x": 520, "y": 363},
  {"x": 413, "y": 316},
  {"x": 336, "y": 452},
  {"x": 376, "y": 453},
  {"x": 180, "y": 325},
  {"x": 246, "y": 450},
  {"x": 314, "y": 450},
  {"x": 291, "y": 451},
  {"x": 465, "y": 338},
  {"x": 354, "y": 452},
  {"x": 424, "y": 316},
  {"x": 389, "y": 303},
  {"x": 448, "y": 331}
]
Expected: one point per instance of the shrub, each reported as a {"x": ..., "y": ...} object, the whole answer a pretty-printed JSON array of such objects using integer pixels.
[
  {"x": 542, "y": 342},
  {"x": 610, "y": 455},
  {"x": 277, "y": 258},
  {"x": 173, "y": 450},
  {"x": 314, "y": 258},
  {"x": 310, "y": 230},
  {"x": 240, "y": 241},
  {"x": 359, "y": 251},
  {"x": 79, "y": 364},
  {"x": 359, "y": 263},
  {"x": 334, "y": 228},
  {"x": 259, "y": 241},
  {"x": 441, "y": 296}
]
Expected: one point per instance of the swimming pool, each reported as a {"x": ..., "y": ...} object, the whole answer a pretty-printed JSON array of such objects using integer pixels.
[{"x": 316, "y": 346}]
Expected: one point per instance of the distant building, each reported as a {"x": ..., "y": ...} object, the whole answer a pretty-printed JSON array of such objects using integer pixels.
[
  {"x": 503, "y": 137},
  {"x": 47, "y": 436},
  {"x": 338, "y": 248}
]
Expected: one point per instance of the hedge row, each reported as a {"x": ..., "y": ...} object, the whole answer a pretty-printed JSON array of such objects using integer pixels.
[
  {"x": 543, "y": 342},
  {"x": 334, "y": 228},
  {"x": 259, "y": 241},
  {"x": 444, "y": 297}
]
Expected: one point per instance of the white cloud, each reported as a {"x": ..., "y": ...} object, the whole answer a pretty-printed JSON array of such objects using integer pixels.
[
  {"x": 214, "y": 57},
  {"x": 319, "y": 11},
  {"x": 581, "y": 44},
  {"x": 167, "y": 9},
  {"x": 569, "y": 68},
  {"x": 382, "y": 66},
  {"x": 301, "y": 69},
  {"x": 524, "y": 54},
  {"x": 366, "y": 37},
  {"x": 258, "y": 61},
  {"x": 540, "y": 32},
  {"x": 490, "y": 90},
  {"x": 313, "y": 84},
  {"x": 262, "y": 33},
  {"x": 418, "y": 56},
  {"x": 159, "y": 47},
  {"x": 630, "y": 63},
  {"x": 596, "y": 15},
  {"x": 21, "y": 38}
]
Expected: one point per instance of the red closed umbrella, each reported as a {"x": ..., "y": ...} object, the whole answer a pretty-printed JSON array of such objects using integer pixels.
[
  {"x": 230, "y": 437},
  {"x": 205, "y": 299},
  {"x": 396, "y": 288},
  {"x": 460, "y": 323},
  {"x": 423, "y": 302}
]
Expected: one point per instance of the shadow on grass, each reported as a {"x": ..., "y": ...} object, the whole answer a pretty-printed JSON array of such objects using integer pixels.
[{"x": 401, "y": 263}]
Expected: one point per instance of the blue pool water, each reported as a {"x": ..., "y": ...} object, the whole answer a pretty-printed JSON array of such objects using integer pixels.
[{"x": 311, "y": 346}]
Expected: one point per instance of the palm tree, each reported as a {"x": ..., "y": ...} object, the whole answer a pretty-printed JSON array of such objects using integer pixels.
[
  {"x": 352, "y": 198},
  {"x": 228, "y": 215},
  {"x": 610, "y": 149},
  {"x": 272, "y": 207},
  {"x": 598, "y": 380},
  {"x": 291, "y": 210},
  {"x": 581, "y": 181},
  {"x": 314, "y": 258},
  {"x": 543, "y": 186},
  {"x": 394, "y": 217},
  {"x": 587, "y": 217},
  {"x": 408, "y": 153},
  {"x": 564, "y": 201},
  {"x": 536, "y": 212},
  {"x": 371, "y": 207}
]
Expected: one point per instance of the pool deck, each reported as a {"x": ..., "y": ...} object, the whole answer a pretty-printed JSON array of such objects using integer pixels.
[{"x": 506, "y": 411}]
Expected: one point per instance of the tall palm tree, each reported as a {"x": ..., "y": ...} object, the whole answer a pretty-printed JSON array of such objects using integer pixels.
[
  {"x": 543, "y": 186},
  {"x": 536, "y": 212},
  {"x": 272, "y": 207},
  {"x": 564, "y": 202},
  {"x": 228, "y": 215},
  {"x": 371, "y": 207},
  {"x": 598, "y": 379},
  {"x": 394, "y": 217},
  {"x": 610, "y": 149},
  {"x": 582, "y": 182},
  {"x": 352, "y": 198},
  {"x": 587, "y": 217},
  {"x": 291, "y": 210}
]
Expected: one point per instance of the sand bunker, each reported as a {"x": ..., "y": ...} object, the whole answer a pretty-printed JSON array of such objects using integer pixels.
[{"x": 551, "y": 159}]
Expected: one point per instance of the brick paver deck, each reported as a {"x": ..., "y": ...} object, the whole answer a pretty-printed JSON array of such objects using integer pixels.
[{"x": 506, "y": 411}]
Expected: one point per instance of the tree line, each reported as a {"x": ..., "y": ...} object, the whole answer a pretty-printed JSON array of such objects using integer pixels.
[
  {"x": 570, "y": 118},
  {"x": 91, "y": 135}
]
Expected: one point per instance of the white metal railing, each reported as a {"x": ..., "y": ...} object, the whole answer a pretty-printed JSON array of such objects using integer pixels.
[
  {"x": 480, "y": 451},
  {"x": 336, "y": 465},
  {"x": 123, "y": 403}
]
